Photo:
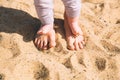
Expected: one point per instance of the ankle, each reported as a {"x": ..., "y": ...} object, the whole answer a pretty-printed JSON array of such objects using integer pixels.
[{"x": 47, "y": 25}]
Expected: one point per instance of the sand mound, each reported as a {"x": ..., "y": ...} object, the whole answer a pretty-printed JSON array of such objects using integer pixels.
[{"x": 99, "y": 60}]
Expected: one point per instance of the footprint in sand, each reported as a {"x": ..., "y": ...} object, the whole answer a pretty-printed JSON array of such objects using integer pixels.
[
  {"x": 7, "y": 41},
  {"x": 68, "y": 64},
  {"x": 42, "y": 73},
  {"x": 111, "y": 48},
  {"x": 77, "y": 63},
  {"x": 31, "y": 70},
  {"x": 100, "y": 63}
]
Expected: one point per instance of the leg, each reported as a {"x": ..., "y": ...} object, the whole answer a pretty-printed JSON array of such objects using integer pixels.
[
  {"x": 46, "y": 35},
  {"x": 72, "y": 11}
]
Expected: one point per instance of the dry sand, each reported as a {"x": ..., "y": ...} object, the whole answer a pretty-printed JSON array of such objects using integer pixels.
[{"x": 99, "y": 60}]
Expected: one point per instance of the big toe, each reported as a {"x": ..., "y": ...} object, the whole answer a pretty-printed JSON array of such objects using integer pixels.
[
  {"x": 70, "y": 44},
  {"x": 52, "y": 42}
]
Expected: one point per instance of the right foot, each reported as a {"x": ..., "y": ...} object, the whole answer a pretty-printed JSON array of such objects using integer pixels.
[{"x": 45, "y": 37}]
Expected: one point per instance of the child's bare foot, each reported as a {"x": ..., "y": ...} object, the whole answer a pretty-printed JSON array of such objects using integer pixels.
[
  {"x": 74, "y": 34},
  {"x": 73, "y": 24},
  {"x": 45, "y": 37}
]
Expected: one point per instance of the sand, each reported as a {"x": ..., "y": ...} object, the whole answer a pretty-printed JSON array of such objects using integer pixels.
[{"x": 21, "y": 60}]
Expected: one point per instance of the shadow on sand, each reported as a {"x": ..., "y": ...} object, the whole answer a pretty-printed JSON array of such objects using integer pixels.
[{"x": 18, "y": 21}]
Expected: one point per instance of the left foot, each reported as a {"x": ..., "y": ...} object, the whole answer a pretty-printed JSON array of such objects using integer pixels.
[
  {"x": 73, "y": 24},
  {"x": 74, "y": 34}
]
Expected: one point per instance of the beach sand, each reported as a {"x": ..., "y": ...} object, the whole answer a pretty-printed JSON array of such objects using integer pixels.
[{"x": 21, "y": 60}]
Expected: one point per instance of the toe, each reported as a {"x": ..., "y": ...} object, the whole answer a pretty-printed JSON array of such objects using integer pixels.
[
  {"x": 83, "y": 42},
  {"x": 45, "y": 47},
  {"x": 80, "y": 45},
  {"x": 38, "y": 43},
  {"x": 76, "y": 45},
  {"x": 35, "y": 42},
  {"x": 45, "y": 44},
  {"x": 41, "y": 44},
  {"x": 70, "y": 44}
]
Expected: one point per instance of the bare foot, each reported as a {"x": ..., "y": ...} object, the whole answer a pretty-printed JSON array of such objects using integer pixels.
[
  {"x": 74, "y": 26},
  {"x": 45, "y": 37},
  {"x": 74, "y": 34}
]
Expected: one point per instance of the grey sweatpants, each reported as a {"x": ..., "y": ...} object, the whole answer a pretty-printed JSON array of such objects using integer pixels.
[{"x": 44, "y": 9}]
